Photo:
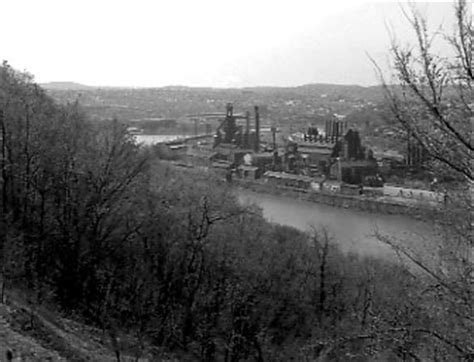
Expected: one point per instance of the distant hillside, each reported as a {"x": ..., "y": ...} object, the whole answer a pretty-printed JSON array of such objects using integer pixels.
[
  {"x": 314, "y": 88},
  {"x": 295, "y": 106},
  {"x": 371, "y": 93},
  {"x": 65, "y": 86}
]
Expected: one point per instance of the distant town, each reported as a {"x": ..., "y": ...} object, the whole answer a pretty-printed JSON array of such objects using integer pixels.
[{"x": 327, "y": 139}]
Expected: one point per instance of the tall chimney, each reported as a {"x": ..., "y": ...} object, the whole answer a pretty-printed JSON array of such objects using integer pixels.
[
  {"x": 247, "y": 129},
  {"x": 333, "y": 130},
  {"x": 274, "y": 138},
  {"x": 257, "y": 130}
]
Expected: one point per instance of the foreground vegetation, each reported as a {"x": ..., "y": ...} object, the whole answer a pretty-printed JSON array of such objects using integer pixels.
[{"x": 103, "y": 232}]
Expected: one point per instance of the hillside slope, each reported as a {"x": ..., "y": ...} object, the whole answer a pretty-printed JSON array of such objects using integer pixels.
[{"x": 27, "y": 335}]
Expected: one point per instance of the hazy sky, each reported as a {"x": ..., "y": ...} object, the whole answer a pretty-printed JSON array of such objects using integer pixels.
[{"x": 203, "y": 42}]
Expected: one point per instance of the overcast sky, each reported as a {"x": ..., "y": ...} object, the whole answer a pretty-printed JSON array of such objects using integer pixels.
[{"x": 216, "y": 43}]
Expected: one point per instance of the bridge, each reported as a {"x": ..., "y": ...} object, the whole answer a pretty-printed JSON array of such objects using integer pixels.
[{"x": 216, "y": 115}]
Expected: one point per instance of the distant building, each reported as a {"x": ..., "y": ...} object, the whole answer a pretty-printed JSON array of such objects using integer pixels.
[
  {"x": 248, "y": 172},
  {"x": 317, "y": 154},
  {"x": 353, "y": 172},
  {"x": 289, "y": 180}
]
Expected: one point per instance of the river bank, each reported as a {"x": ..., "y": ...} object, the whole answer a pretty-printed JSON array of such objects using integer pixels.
[
  {"x": 362, "y": 203},
  {"x": 378, "y": 205}
]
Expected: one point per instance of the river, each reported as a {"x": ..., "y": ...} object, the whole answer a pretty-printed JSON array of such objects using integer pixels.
[
  {"x": 353, "y": 230},
  {"x": 149, "y": 140}
]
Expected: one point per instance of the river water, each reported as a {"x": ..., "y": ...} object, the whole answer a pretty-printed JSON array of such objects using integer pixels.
[
  {"x": 353, "y": 230},
  {"x": 149, "y": 140}
]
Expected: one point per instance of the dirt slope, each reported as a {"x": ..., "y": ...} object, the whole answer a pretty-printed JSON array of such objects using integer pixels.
[{"x": 27, "y": 335}]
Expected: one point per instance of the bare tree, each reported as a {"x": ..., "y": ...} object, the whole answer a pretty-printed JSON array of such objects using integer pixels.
[{"x": 433, "y": 98}]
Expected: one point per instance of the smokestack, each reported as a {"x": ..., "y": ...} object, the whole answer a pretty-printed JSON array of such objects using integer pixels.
[
  {"x": 257, "y": 130},
  {"x": 333, "y": 130},
  {"x": 247, "y": 129},
  {"x": 336, "y": 131},
  {"x": 274, "y": 138}
]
